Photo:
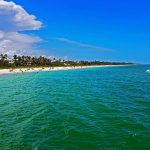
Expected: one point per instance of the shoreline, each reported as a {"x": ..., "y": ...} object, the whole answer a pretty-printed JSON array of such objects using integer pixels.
[{"x": 48, "y": 69}]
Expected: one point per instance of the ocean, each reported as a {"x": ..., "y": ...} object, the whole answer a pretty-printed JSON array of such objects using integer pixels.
[{"x": 104, "y": 108}]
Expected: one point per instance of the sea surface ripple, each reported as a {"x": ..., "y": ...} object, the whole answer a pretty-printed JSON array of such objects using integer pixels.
[{"x": 88, "y": 109}]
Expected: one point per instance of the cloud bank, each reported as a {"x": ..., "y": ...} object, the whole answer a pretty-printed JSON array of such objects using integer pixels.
[{"x": 13, "y": 19}]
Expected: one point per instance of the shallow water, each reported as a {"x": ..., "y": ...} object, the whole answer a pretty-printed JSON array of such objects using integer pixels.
[{"x": 87, "y": 109}]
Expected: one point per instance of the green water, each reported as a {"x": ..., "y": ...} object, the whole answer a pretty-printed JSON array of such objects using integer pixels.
[{"x": 87, "y": 109}]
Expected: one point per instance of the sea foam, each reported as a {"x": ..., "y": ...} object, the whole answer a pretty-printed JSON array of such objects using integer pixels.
[{"x": 148, "y": 71}]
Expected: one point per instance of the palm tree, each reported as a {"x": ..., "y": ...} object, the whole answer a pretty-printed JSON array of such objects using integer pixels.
[{"x": 3, "y": 57}]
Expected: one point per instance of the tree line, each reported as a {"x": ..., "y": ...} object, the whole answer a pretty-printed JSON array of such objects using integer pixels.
[{"x": 28, "y": 61}]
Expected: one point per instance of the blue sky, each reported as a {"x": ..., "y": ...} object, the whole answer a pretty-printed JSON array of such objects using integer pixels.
[{"x": 110, "y": 30}]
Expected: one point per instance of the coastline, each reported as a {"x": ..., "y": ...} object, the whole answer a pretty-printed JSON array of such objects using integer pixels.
[{"x": 48, "y": 69}]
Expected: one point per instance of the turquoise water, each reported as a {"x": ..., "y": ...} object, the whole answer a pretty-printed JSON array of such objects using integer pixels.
[{"x": 87, "y": 109}]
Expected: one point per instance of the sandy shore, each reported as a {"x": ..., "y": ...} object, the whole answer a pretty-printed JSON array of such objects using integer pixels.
[{"x": 45, "y": 69}]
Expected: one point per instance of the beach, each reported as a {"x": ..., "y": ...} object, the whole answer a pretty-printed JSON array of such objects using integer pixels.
[{"x": 46, "y": 69}]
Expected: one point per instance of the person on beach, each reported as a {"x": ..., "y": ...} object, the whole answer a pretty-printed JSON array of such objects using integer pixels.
[
  {"x": 21, "y": 70},
  {"x": 11, "y": 70}
]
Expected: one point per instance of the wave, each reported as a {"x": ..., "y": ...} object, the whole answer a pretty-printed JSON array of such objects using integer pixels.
[{"x": 148, "y": 71}]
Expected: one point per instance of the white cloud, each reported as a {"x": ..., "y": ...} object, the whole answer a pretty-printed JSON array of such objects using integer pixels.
[
  {"x": 17, "y": 43},
  {"x": 13, "y": 19},
  {"x": 80, "y": 44}
]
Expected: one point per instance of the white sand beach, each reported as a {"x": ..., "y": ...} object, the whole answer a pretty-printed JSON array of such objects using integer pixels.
[{"x": 46, "y": 69}]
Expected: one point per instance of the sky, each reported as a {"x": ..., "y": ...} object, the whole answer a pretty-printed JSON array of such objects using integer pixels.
[{"x": 105, "y": 30}]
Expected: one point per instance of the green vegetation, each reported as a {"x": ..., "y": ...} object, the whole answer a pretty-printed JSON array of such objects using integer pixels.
[{"x": 28, "y": 61}]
